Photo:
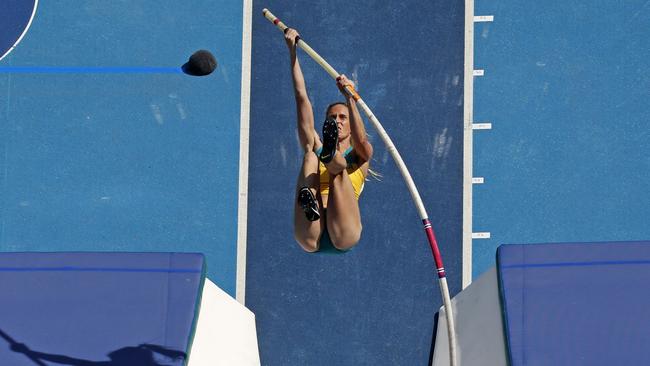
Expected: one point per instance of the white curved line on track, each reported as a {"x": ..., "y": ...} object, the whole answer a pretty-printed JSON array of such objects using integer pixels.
[{"x": 24, "y": 31}]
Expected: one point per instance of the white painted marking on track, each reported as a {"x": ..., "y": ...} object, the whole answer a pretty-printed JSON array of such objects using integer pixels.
[
  {"x": 481, "y": 235},
  {"x": 242, "y": 212},
  {"x": 442, "y": 145},
  {"x": 468, "y": 159},
  {"x": 181, "y": 111},
  {"x": 179, "y": 106},
  {"x": 155, "y": 110},
  {"x": 483, "y": 18},
  {"x": 482, "y": 126},
  {"x": 29, "y": 24}
]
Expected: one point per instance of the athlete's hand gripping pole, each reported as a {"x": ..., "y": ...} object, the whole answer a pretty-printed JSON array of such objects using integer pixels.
[
  {"x": 17, "y": 345},
  {"x": 451, "y": 330}
]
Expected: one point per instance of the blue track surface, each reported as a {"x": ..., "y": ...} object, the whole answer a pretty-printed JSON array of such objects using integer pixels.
[
  {"x": 576, "y": 304},
  {"x": 106, "y": 146},
  {"x": 566, "y": 88},
  {"x": 375, "y": 304}
]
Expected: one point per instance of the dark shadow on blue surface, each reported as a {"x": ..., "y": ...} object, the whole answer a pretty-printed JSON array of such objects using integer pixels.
[{"x": 141, "y": 355}]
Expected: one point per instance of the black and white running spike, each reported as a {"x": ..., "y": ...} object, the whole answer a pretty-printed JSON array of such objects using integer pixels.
[{"x": 330, "y": 140}]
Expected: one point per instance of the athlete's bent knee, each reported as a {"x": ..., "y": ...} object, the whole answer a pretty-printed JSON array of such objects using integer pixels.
[
  {"x": 346, "y": 241},
  {"x": 309, "y": 245}
]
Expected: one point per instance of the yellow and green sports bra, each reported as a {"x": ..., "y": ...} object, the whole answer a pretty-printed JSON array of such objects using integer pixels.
[{"x": 354, "y": 172}]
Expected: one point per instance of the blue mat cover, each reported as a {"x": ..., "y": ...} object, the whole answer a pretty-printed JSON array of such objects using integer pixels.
[
  {"x": 109, "y": 309},
  {"x": 576, "y": 303}
]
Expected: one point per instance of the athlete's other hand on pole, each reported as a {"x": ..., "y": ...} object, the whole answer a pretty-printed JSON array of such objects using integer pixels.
[
  {"x": 19, "y": 347},
  {"x": 290, "y": 36},
  {"x": 342, "y": 82}
]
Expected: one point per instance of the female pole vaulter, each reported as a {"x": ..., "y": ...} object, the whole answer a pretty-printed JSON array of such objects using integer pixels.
[{"x": 326, "y": 214}]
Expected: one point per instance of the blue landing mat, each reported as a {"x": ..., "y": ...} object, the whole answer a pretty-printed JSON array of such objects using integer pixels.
[
  {"x": 109, "y": 309},
  {"x": 576, "y": 304}
]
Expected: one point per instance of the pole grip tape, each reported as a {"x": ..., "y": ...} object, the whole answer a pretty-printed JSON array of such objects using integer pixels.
[
  {"x": 353, "y": 93},
  {"x": 433, "y": 243}
]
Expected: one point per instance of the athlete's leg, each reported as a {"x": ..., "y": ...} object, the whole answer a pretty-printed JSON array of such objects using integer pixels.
[
  {"x": 343, "y": 215},
  {"x": 307, "y": 232}
]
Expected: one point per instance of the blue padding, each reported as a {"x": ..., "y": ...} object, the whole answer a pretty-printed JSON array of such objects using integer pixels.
[
  {"x": 576, "y": 303},
  {"x": 67, "y": 308}
]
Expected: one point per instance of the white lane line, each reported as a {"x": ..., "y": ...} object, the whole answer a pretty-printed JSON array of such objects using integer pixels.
[{"x": 242, "y": 212}]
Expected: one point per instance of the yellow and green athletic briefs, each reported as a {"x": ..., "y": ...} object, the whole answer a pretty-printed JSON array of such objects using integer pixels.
[{"x": 356, "y": 177}]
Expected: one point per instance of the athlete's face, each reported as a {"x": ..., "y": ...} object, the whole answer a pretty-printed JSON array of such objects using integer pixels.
[{"x": 340, "y": 113}]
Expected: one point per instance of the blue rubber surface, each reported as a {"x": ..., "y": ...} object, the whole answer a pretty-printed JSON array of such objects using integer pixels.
[
  {"x": 566, "y": 89},
  {"x": 576, "y": 303},
  {"x": 83, "y": 306},
  {"x": 106, "y": 146},
  {"x": 375, "y": 304}
]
